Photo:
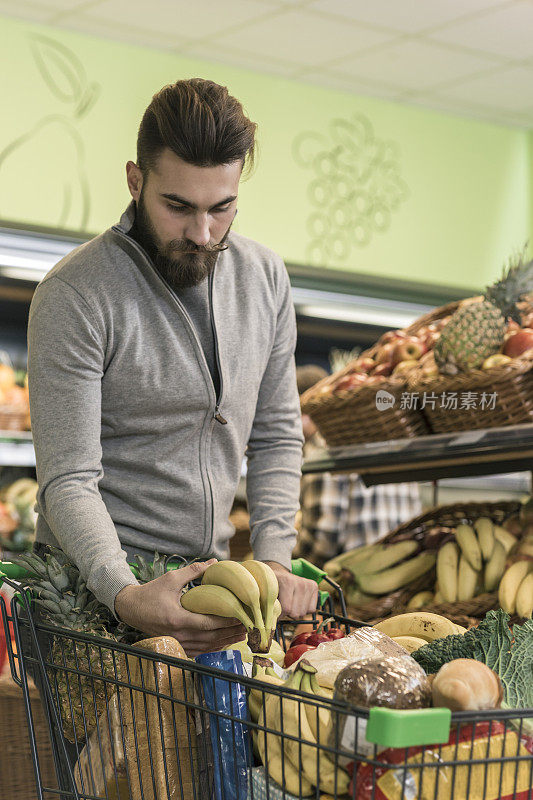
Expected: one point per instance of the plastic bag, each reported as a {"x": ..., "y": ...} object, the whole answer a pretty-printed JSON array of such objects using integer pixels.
[{"x": 228, "y": 739}]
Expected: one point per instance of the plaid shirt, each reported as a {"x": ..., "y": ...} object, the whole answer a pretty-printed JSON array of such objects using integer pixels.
[{"x": 340, "y": 513}]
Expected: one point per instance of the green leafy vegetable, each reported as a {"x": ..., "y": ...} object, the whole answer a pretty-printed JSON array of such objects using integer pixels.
[{"x": 508, "y": 652}]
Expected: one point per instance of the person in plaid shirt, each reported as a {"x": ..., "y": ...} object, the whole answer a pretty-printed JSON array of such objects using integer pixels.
[{"x": 338, "y": 512}]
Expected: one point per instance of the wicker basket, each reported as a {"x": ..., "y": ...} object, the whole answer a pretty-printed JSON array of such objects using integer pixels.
[
  {"x": 429, "y": 529},
  {"x": 478, "y": 399},
  {"x": 14, "y": 418},
  {"x": 17, "y": 780},
  {"x": 352, "y": 417}
]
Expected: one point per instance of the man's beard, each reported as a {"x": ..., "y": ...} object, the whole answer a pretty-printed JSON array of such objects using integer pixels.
[{"x": 181, "y": 263}]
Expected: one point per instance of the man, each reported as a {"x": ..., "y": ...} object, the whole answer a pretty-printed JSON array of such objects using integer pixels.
[
  {"x": 338, "y": 512},
  {"x": 159, "y": 352}
]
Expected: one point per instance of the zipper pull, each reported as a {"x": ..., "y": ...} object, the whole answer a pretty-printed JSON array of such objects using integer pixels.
[{"x": 218, "y": 416}]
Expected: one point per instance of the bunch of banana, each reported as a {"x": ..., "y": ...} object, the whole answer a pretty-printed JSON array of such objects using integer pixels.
[
  {"x": 516, "y": 589},
  {"x": 381, "y": 568},
  {"x": 298, "y": 764},
  {"x": 247, "y": 592},
  {"x": 417, "y": 628},
  {"x": 474, "y": 562},
  {"x": 262, "y": 670}
]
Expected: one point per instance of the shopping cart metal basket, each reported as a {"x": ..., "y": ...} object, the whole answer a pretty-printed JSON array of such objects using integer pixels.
[{"x": 137, "y": 722}]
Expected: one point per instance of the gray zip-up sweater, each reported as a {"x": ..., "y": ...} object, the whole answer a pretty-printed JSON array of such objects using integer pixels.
[{"x": 130, "y": 440}]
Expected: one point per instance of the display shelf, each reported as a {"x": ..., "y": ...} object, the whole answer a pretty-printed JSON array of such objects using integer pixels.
[
  {"x": 16, "y": 449},
  {"x": 429, "y": 458}
]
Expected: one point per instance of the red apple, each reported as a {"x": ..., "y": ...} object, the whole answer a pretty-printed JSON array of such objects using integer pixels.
[
  {"x": 364, "y": 364},
  {"x": 519, "y": 342},
  {"x": 392, "y": 336},
  {"x": 348, "y": 382},
  {"x": 410, "y": 349},
  {"x": 527, "y": 320},
  {"x": 384, "y": 353},
  {"x": 385, "y": 369}
]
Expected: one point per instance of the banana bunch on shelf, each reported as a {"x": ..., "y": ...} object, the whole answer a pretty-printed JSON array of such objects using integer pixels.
[
  {"x": 379, "y": 569},
  {"x": 473, "y": 562},
  {"x": 515, "y": 594},
  {"x": 293, "y": 756},
  {"x": 246, "y": 591},
  {"x": 417, "y": 628}
]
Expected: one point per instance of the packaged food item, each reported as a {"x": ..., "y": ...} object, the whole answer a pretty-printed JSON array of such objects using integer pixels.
[
  {"x": 391, "y": 682},
  {"x": 402, "y": 778},
  {"x": 329, "y": 658}
]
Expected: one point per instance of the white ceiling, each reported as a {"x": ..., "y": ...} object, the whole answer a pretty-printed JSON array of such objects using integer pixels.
[{"x": 469, "y": 57}]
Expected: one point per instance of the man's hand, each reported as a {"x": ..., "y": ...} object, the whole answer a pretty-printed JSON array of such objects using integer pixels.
[
  {"x": 155, "y": 609},
  {"x": 298, "y": 596}
]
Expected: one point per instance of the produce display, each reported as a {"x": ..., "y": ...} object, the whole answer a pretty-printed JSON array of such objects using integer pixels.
[
  {"x": 14, "y": 399},
  {"x": 17, "y": 514},
  {"x": 445, "y": 564}
]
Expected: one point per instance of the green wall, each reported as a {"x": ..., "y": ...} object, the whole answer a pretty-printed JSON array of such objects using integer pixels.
[{"x": 342, "y": 181}]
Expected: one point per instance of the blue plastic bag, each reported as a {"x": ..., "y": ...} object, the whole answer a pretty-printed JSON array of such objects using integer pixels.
[{"x": 228, "y": 738}]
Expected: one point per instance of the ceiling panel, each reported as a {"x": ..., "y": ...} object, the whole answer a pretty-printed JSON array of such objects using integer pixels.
[
  {"x": 414, "y": 64},
  {"x": 409, "y": 16},
  {"x": 510, "y": 89},
  {"x": 506, "y": 31},
  {"x": 302, "y": 37},
  {"x": 252, "y": 61},
  {"x": 185, "y": 20}
]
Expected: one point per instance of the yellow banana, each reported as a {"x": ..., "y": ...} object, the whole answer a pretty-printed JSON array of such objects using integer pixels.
[
  {"x": 524, "y": 597},
  {"x": 420, "y": 600},
  {"x": 267, "y": 583},
  {"x": 278, "y": 765},
  {"x": 495, "y": 566},
  {"x": 233, "y": 576},
  {"x": 484, "y": 529},
  {"x": 394, "y": 578},
  {"x": 447, "y": 563},
  {"x": 217, "y": 600},
  {"x": 510, "y": 582},
  {"x": 348, "y": 559},
  {"x": 410, "y": 643},
  {"x": 468, "y": 542},
  {"x": 526, "y": 548},
  {"x": 385, "y": 556},
  {"x": 460, "y": 629},
  {"x": 316, "y": 765},
  {"x": 506, "y": 538},
  {"x": 276, "y": 611},
  {"x": 318, "y": 717},
  {"x": 422, "y": 624},
  {"x": 467, "y": 578}
]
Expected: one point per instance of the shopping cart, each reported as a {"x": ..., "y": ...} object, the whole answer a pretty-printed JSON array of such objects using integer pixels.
[{"x": 137, "y": 722}]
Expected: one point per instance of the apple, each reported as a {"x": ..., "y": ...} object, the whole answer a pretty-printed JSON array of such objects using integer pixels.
[
  {"x": 410, "y": 349},
  {"x": 364, "y": 364},
  {"x": 496, "y": 360},
  {"x": 385, "y": 369},
  {"x": 519, "y": 342},
  {"x": 348, "y": 382},
  {"x": 384, "y": 354},
  {"x": 404, "y": 366},
  {"x": 527, "y": 320},
  {"x": 392, "y": 336}
]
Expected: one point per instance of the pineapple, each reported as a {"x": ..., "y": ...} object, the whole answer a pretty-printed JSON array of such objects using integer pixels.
[
  {"x": 477, "y": 329},
  {"x": 66, "y": 602}
]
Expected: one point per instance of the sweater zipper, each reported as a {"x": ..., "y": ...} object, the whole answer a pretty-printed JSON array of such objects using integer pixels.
[{"x": 217, "y": 415}]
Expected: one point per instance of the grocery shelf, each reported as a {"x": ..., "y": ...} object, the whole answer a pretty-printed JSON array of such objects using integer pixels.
[
  {"x": 16, "y": 449},
  {"x": 429, "y": 458}
]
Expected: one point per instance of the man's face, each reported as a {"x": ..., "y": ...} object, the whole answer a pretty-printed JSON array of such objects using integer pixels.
[{"x": 184, "y": 214}]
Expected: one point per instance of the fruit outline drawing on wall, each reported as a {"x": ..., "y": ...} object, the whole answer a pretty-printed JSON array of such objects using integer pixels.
[
  {"x": 47, "y": 162},
  {"x": 355, "y": 187}
]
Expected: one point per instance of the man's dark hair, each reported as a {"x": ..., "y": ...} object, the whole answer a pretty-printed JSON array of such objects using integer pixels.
[{"x": 200, "y": 122}]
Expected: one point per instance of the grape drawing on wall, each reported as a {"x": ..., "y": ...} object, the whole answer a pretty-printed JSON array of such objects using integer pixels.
[
  {"x": 354, "y": 188},
  {"x": 47, "y": 162}
]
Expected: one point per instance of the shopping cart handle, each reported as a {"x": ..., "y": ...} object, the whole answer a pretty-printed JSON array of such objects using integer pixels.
[
  {"x": 304, "y": 569},
  {"x": 391, "y": 727},
  {"x": 13, "y": 571}
]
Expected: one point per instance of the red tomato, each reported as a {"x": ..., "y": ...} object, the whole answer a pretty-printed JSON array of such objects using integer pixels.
[
  {"x": 335, "y": 633},
  {"x": 294, "y": 653},
  {"x": 316, "y": 638}
]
